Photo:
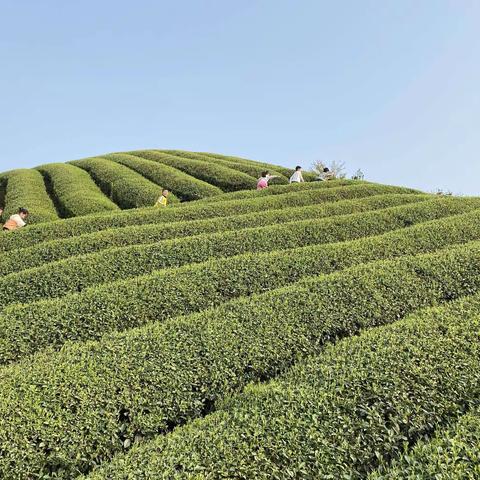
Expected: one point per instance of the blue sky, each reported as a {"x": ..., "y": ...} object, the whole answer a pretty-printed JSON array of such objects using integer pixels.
[{"x": 390, "y": 86}]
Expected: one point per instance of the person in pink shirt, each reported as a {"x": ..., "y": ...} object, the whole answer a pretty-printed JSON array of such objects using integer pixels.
[{"x": 263, "y": 180}]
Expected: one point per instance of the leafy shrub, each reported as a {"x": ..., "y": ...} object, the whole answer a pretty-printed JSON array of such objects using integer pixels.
[
  {"x": 75, "y": 273},
  {"x": 280, "y": 190},
  {"x": 187, "y": 211},
  {"x": 46, "y": 252},
  {"x": 225, "y": 178},
  {"x": 287, "y": 172},
  {"x": 182, "y": 185},
  {"x": 26, "y": 188},
  {"x": 336, "y": 414},
  {"x": 452, "y": 454},
  {"x": 126, "y": 188},
  {"x": 253, "y": 169},
  {"x": 168, "y": 293},
  {"x": 139, "y": 383},
  {"x": 74, "y": 190}
]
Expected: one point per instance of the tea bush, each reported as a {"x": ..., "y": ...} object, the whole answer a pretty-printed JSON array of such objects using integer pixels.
[
  {"x": 182, "y": 185},
  {"x": 26, "y": 188},
  {"x": 164, "y": 294},
  {"x": 336, "y": 414},
  {"x": 74, "y": 190},
  {"x": 76, "y": 273},
  {"x": 187, "y": 211},
  {"x": 110, "y": 393},
  {"x": 47, "y": 252},
  {"x": 125, "y": 187}
]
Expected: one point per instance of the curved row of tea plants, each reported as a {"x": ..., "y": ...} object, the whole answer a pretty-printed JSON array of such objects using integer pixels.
[
  {"x": 26, "y": 188},
  {"x": 47, "y": 252},
  {"x": 25, "y": 329},
  {"x": 74, "y": 191},
  {"x": 142, "y": 382},
  {"x": 127, "y": 188},
  {"x": 452, "y": 454},
  {"x": 76, "y": 273},
  {"x": 253, "y": 169},
  {"x": 281, "y": 189},
  {"x": 225, "y": 178},
  {"x": 335, "y": 415},
  {"x": 187, "y": 211},
  {"x": 308, "y": 176},
  {"x": 184, "y": 186}
]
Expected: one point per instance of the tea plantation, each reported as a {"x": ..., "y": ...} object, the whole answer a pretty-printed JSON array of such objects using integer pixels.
[{"x": 324, "y": 330}]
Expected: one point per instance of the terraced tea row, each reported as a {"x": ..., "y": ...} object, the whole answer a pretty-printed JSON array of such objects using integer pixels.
[
  {"x": 130, "y": 180},
  {"x": 281, "y": 189},
  {"x": 336, "y": 415},
  {"x": 76, "y": 273},
  {"x": 25, "y": 329},
  {"x": 452, "y": 454},
  {"x": 227, "y": 179},
  {"x": 125, "y": 187},
  {"x": 73, "y": 191},
  {"x": 266, "y": 166},
  {"x": 253, "y": 169},
  {"x": 189, "y": 211},
  {"x": 26, "y": 188},
  {"x": 47, "y": 252},
  {"x": 182, "y": 185},
  {"x": 135, "y": 384}
]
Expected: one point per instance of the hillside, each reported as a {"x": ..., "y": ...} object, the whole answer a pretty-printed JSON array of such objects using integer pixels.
[
  {"x": 127, "y": 180},
  {"x": 320, "y": 330}
]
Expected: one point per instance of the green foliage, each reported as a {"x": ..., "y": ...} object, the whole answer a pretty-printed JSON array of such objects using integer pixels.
[
  {"x": 74, "y": 190},
  {"x": 333, "y": 415},
  {"x": 26, "y": 188},
  {"x": 187, "y": 211},
  {"x": 88, "y": 401},
  {"x": 126, "y": 188},
  {"x": 47, "y": 252},
  {"x": 452, "y": 454},
  {"x": 281, "y": 189},
  {"x": 224, "y": 178},
  {"x": 253, "y": 169},
  {"x": 164, "y": 294},
  {"x": 75, "y": 273},
  {"x": 182, "y": 185}
]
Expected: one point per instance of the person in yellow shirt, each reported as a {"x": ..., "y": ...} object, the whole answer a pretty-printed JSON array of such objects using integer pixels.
[{"x": 162, "y": 201}]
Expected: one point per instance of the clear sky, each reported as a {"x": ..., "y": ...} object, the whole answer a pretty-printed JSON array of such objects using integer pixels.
[{"x": 390, "y": 86}]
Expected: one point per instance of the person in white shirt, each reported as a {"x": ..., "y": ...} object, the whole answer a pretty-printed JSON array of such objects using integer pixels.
[
  {"x": 297, "y": 176},
  {"x": 16, "y": 221}
]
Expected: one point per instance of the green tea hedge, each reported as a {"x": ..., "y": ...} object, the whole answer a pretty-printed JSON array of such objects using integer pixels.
[
  {"x": 225, "y": 178},
  {"x": 76, "y": 273},
  {"x": 25, "y": 329},
  {"x": 335, "y": 415},
  {"x": 186, "y": 211},
  {"x": 47, "y": 252},
  {"x": 126, "y": 188},
  {"x": 65, "y": 412},
  {"x": 287, "y": 172},
  {"x": 452, "y": 454},
  {"x": 253, "y": 169},
  {"x": 25, "y": 188},
  {"x": 282, "y": 189},
  {"x": 182, "y": 185},
  {"x": 74, "y": 190}
]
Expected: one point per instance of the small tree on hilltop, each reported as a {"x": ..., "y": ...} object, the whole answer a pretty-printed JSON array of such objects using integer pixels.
[{"x": 337, "y": 168}]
